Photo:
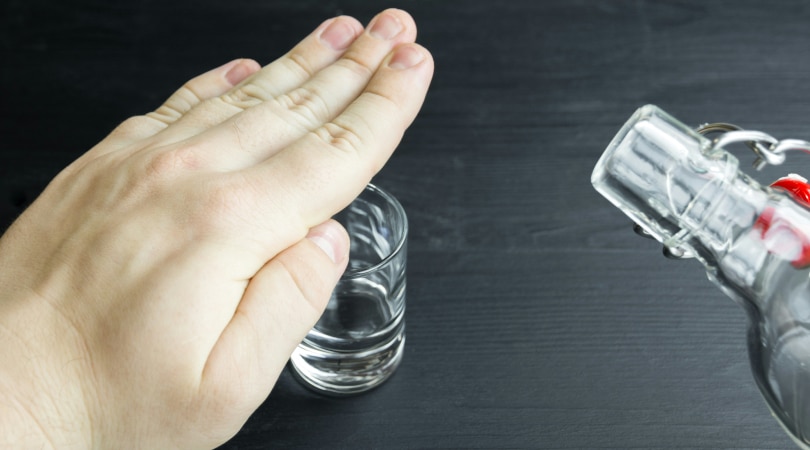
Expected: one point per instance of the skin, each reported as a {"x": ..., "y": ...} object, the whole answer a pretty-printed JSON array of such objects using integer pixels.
[{"x": 150, "y": 297}]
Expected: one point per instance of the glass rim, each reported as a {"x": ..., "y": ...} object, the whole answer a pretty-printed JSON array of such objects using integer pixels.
[{"x": 399, "y": 211}]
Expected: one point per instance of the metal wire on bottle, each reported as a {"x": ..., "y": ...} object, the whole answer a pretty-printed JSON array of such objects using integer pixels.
[{"x": 767, "y": 149}]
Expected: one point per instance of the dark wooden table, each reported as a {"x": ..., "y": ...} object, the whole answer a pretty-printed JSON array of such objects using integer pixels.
[{"x": 536, "y": 319}]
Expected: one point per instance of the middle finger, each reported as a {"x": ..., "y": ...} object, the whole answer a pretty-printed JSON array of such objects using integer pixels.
[
  {"x": 318, "y": 50},
  {"x": 263, "y": 129}
]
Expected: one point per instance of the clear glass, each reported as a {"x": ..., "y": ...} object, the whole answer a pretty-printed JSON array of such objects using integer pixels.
[
  {"x": 358, "y": 341},
  {"x": 753, "y": 241}
]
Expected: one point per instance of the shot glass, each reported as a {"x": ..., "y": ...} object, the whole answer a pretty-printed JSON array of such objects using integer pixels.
[{"x": 358, "y": 342}]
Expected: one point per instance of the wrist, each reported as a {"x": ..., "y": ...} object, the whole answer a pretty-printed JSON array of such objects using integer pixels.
[
  {"x": 18, "y": 427},
  {"x": 42, "y": 404}
]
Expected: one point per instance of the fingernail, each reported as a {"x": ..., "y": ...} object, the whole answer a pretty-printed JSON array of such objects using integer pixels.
[
  {"x": 405, "y": 57},
  {"x": 330, "y": 238},
  {"x": 386, "y": 26},
  {"x": 241, "y": 70},
  {"x": 324, "y": 245},
  {"x": 338, "y": 35}
]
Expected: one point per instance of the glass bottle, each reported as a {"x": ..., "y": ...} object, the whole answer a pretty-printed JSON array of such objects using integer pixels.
[{"x": 688, "y": 192}]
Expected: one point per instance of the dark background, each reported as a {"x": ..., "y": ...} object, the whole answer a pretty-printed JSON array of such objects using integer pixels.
[{"x": 535, "y": 317}]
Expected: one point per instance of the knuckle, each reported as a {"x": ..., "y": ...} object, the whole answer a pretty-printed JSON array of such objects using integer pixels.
[
  {"x": 165, "y": 115},
  {"x": 306, "y": 103},
  {"x": 305, "y": 281},
  {"x": 297, "y": 62},
  {"x": 342, "y": 137},
  {"x": 383, "y": 103},
  {"x": 388, "y": 99},
  {"x": 137, "y": 126},
  {"x": 181, "y": 102},
  {"x": 187, "y": 96},
  {"x": 246, "y": 96},
  {"x": 356, "y": 64},
  {"x": 170, "y": 163}
]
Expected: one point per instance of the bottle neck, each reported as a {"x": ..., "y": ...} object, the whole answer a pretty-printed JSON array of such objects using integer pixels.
[
  {"x": 689, "y": 195},
  {"x": 729, "y": 242},
  {"x": 670, "y": 181}
]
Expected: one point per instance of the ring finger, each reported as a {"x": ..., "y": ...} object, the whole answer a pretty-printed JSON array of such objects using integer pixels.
[
  {"x": 318, "y": 50},
  {"x": 259, "y": 132}
]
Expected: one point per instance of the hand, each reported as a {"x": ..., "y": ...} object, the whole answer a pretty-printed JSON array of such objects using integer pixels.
[{"x": 153, "y": 293}]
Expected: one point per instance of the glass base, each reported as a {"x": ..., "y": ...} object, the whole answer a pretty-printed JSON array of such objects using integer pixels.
[{"x": 343, "y": 373}]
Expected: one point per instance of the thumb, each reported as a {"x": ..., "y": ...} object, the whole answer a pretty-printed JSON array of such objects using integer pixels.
[{"x": 281, "y": 304}]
